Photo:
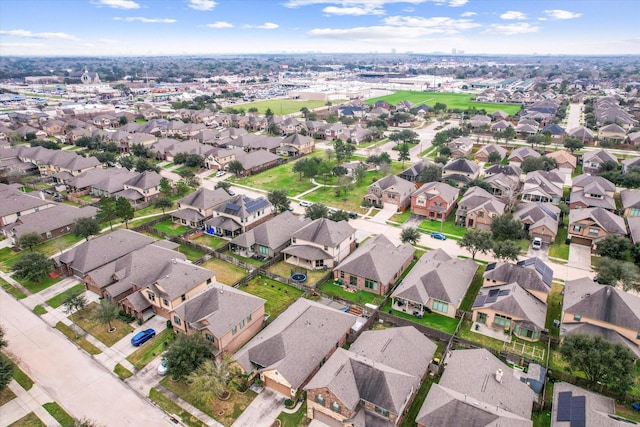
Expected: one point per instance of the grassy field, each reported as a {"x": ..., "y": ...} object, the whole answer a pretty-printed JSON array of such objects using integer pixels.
[
  {"x": 59, "y": 414},
  {"x": 210, "y": 241},
  {"x": 35, "y": 287},
  {"x": 541, "y": 419},
  {"x": 279, "y": 178},
  {"x": 6, "y": 395},
  {"x": 281, "y": 106},
  {"x": 84, "y": 319},
  {"x": 447, "y": 227},
  {"x": 59, "y": 299},
  {"x": 278, "y": 295},
  {"x": 460, "y": 101},
  {"x": 421, "y": 395},
  {"x": 225, "y": 272},
  {"x": 29, "y": 420},
  {"x": 83, "y": 343},
  {"x": 554, "y": 310},
  {"x": 285, "y": 269},
  {"x": 39, "y": 310},
  {"x": 360, "y": 297},
  {"x": 173, "y": 408},
  {"x": 21, "y": 378},
  {"x": 146, "y": 352},
  {"x": 191, "y": 253}
]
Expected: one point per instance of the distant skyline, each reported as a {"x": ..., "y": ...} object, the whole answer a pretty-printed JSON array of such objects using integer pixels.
[{"x": 193, "y": 27}]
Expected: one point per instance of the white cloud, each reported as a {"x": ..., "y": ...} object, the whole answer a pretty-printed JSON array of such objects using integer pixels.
[
  {"x": 354, "y": 10},
  {"x": 374, "y": 4},
  {"x": 562, "y": 14},
  {"x": 145, "y": 20},
  {"x": 457, "y": 3},
  {"x": 267, "y": 26},
  {"x": 443, "y": 24},
  {"x": 202, "y": 4},
  {"x": 220, "y": 24},
  {"x": 513, "y": 15},
  {"x": 468, "y": 14},
  {"x": 31, "y": 35},
  {"x": 119, "y": 4},
  {"x": 512, "y": 29}
]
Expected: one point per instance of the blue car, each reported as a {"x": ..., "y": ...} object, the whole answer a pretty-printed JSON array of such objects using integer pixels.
[
  {"x": 142, "y": 337},
  {"x": 438, "y": 236}
]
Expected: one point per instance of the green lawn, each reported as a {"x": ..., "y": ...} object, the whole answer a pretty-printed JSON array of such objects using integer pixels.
[
  {"x": 39, "y": 310},
  {"x": 149, "y": 350},
  {"x": 278, "y": 295},
  {"x": 452, "y": 100},
  {"x": 168, "y": 165},
  {"x": 84, "y": 319},
  {"x": 11, "y": 290},
  {"x": 433, "y": 320},
  {"x": 59, "y": 414},
  {"x": 29, "y": 420},
  {"x": 294, "y": 420},
  {"x": 281, "y": 107},
  {"x": 359, "y": 297},
  {"x": 559, "y": 249},
  {"x": 401, "y": 217},
  {"x": 210, "y": 241},
  {"x": 280, "y": 178},
  {"x": 225, "y": 272},
  {"x": 541, "y": 419},
  {"x": 35, "y": 287},
  {"x": 250, "y": 261},
  {"x": 472, "y": 292},
  {"x": 421, "y": 395},
  {"x": 554, "y": 308},
  {"x": 171, "y": 228},
  {"x": 191, "y": 253},
  {"x": 122, "y": 372},
  {"x": 173, "y": 408},
  {"x": 6, "y": 395},
  {"x": 447, "y": 227},
  {"x": 7, "y": 258},
  {"x": 284, "y": 269},
  {"x": 21, "y": 378},
  {"x": 627, "y": 412},
  {"x": 59, "y": 299},
  {"x": 83, "y": 343}
]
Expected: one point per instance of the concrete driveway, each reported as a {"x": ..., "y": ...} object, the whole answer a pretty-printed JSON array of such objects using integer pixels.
[
  {"x": 580, "y": 256},
  {"x": 387, "y": 212},
  {"x": 542, "y": 253},
  {"x": 264, "y": 409}
]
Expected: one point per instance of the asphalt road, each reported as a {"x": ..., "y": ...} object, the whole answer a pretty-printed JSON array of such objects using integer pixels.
[{"x": 78, "y": 383}]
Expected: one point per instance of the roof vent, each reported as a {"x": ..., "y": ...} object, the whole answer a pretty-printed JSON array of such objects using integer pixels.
[
  {"x": 499, "y": 374},
  {"x": 587, "y": 295}
]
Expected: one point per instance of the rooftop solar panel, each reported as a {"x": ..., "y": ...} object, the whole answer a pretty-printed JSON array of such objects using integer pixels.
[
  {"x": 504, "y": 292},
  {"x": 494, "y": 292},
  {"x": 491, "y": 298},
  {"x": 564, "y": 406},
  {"x": 578, "y": 415},
  {"x": 490, "y": 266},
  {"x": 233, "y": 207},
  {"x": 479, "y": 302},
  {"x": 549, "y": 212}
]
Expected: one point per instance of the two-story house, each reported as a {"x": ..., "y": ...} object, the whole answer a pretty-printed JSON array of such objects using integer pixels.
[
  {"x": 460, "y": 147},
  {"x": 520, "y": 154},
  {"x": 296, "y": 145},
  {"x": 539, "y": 220},
  {"x": 434, "y": 200},
  {"x": 593, "y": 160},
  {"x": 482, "y": 155},
  {"x": 588, "y": 226},
  {"x": 143, "y": 188},
  {"x": 591, "y": 191},
  {"x": 238, "y": 215},
  {"x": 15, "y": 204},
  {"x": 460, "y": 171},
  {"x": 477, "y": 208},
  {"x": 630, "y": 200},
  {"x": 543, "y": 186},
  {"x": 195, "y": 208},
  {"x": 390, "y": 190}
]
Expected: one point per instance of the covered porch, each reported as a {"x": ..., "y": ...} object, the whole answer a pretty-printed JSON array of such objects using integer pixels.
[
  {"x": 222, "y": 226},
  {"x": 189, "y": 217}
]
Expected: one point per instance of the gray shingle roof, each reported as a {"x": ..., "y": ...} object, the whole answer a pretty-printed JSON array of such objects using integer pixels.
[
  {"x": 323, "y": 231},
  {"x": 630, "y": 198},
  {"x": 597, "y": 407},
  {"x": 634, "y": 228},
  {"x": 434, "y": 189},
  {"x": 273, "y": 233},
  {"x": 177, "y": 277},
  {"x": 608, "y": 221},
  {"x": 518, "y": 303},
  {"x": 12, "y": 201},
  {"x": 52, "y": 218},
  {"x": 539, "y": 214},
  {"x": 462, "y": 165},
  {"x": 205, "y": 199},
  {"x": 526, "y": 277}
]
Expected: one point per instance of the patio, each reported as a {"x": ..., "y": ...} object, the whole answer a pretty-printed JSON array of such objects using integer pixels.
[{"x": 498, "y": 334}]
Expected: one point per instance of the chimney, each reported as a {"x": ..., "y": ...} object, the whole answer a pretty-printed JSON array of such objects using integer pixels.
[{"x": 499, "y": 374}]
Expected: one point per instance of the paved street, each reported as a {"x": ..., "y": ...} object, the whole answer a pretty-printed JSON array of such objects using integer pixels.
[{"x": 68, "y": 375}]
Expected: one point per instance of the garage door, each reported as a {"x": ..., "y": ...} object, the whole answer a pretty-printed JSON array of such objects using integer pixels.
[
  {"x": 545, "y": 238},
  {"x": 580, "y": 241},
  {"x": 276, "y": 386},
  {"x": 326, "y": 419}
]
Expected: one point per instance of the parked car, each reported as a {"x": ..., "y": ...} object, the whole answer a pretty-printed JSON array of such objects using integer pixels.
[
  {"x": 220, "y": 173},
  {"x": 305, "y": 204},
  {"x": 353, "y": 215},
  {"x": 438, "y": 236},
  {"x": 142, "y": 337},
  {"x": 162, "y": 367},
  {"x": 536, "y": 243}
]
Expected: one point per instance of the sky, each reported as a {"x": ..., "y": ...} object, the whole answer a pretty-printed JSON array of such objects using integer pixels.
[{"x": 193, "y": 27}]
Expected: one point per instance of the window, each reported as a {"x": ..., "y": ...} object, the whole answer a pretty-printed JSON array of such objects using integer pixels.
[
  {"x": 593, "y": 231},
  {"x": 208, "y": 282},
  {"x": 234, "y": 330},
  {"x": 293, "y": 240},
  {"x": 320, "y": 263},
  {"x": 242, "y": 324},
  {"x": 320, "y": 399},
  {"x": 249, "y": 318},
  {"x": 335, "y": 407},
  {"x": 480, "y": 214},
  {"x": 183, "y": 297},
  {"x": 440, "y": 306},
  {"x": 353, "y": 280},
  {"x": 151, "y": 296},
  {"x": 501, "y": 320},
  {"x": 577, "y": 317},
  {"x": 209, "y": 337},
  {"x": 165, "y": 302},
  {"x": 382, "y": 411},
  {"x": 371, "y": 284},
  {"x": 263, "y": 250},
  {"x": 48, "y": 234},
  {"x": 634, "y": 212},
  {"x": 342, "y": 274},
  {"x": 577, "y": 228},
  {"x": 177, "y": 320}
]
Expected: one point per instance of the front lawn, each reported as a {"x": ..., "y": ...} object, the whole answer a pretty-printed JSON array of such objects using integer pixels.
[
  {"x": 171, "y": 228},
  {"x": 400, "y": 218},
  {"x": 359, "y": 297},
  {"x": 81, "y": 342},
  {"x": 6, "y": 395},
  {"x": 171, "y": 407},
  {"x": 59, "y": 299},
  {"x": 35, "y": 287},
  {"x": 11, "y": 290},
  {"x": 285, "y": 269},
  {"x": 447, "y": 227},
  {"x": 152, "y": 348},
  {"x": 559, "y": 248},
  {"x": 29, "y": 420},
  {"x": 7, "y": 258},
  {"x": 278, "y": 295},
  {"x": 223, "y": 411},
  {"x": 122, "y": 372},
  {"x": 59, "y": 414},
  {"x": 472, "y": 292},
  {"x": 20, "y": 377},
  {"x": 433, "y": 320},
  {"x": 84, "y": 319},
  {"x": 294, "y": 420},
  {"x": 225, "y": 272}
]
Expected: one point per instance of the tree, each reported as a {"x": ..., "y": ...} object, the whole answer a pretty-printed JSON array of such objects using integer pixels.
[
  {"x": 612, "y": 272},
  {"x": 143, "y": 164},
  {"x": 339, "y": 215},
  {"x": 106, "y": 312},
  {"x": 316, "y": 211},
  {"x": 73, "y": 304},
  {"x": 165, "y": 187},
  {"x": 107, "y": 210},
  {"x": 6, "y": 371},
  {"x": 211, "y": 379},
  {"x": 28, "y": 240},
  {"x": 614, "y": 246},
  {"x": 185, "y": 354},
  {"x": 602, "y": 361},
  {"x": 508, "y": 134},
  {"x": 163, "y": 202},
  {"x": 182, "y": 188},
  {"x": 430, "y": 173},
  {"x": 506, "y": 227},
  {"x": 506, "y": 250},
  {"x": 494, "y": 157},
  {"x": 304, "y": 111},
  {"x": 403, "y": 153},
  {"x": 225, "y": 185},
  {"x": 3, "y": 342},
  {"x": 32, "y": 266},
  {"x": 476, "y": 183},
  {"x": 124, "y": 210},
  {"x": 410, "y": 235},
  {"x": 279, "y": 200},
  {"x": 85, "y": 227},
  {"x": 531, "y": 164},
  {"x": 360, "y": 172},
  {"x": 573, "y": 144},
  {"x": 268, "y": 113},
  {"x": 476, "y": 241},
  {"x": 299, "y": 167},
  {"x": 235, "y": 167},
  {"x": 127, "y": 162}
]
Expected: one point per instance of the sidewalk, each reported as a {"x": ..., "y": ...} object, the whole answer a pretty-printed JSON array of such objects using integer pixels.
[{"x": 25, "y": 403}]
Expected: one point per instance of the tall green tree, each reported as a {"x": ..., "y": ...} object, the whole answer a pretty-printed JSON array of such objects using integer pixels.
[
  {"x": 403, "y": 153},
  {"x": 614, "y": 272},
  {"x": 165, "y": 187},
  {"x": 6, "y": 371},
  {"x": 107, "y": 211},
  {"x": 73, "y": 304},
  {"x": 186, "y": 353},
  {"x": 163, "y": 203},
  {"x": 28, "y": 240},
  {"x": 85, "y": 227},
  {"x": 573, "y": 143},
  {"x": 317, "y": 210},
  {"x": 235, "y": 167},
  {"x": 476, "y": 241},
  {"x": 106, "y": 312},
  {"x": 507, "y": 227},
  {"x": 410, "y": 235},
  {"x": 360, "y": 172},
  {"x": 614, "y": 246},
  {"x": 32, "y": 266},
  {"x": 211, "y": 379},
  {"x": 506, "y": 250},
  {"x": 279, "y": 200},
  {"x": 124, "y": 210},
  {"x": 430, "y": 173}
]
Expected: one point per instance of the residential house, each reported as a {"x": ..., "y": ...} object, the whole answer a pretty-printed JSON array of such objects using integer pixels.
[
  {"x": 566, "y": 161},
  {"x": 269, "y": 238},
  {"x": 606, "y": 311},
  {"x": 477, "y": 208},
  {"x": 612, "y": 132},
  {"x": 632, "y": 138},
  {"x": 630, "y": 164},
  {"x": 100, "y": 182},
  {"x": 573, "y": 405},
  {"x": 219, "y": 157},
  {"x": 532, "y": 274},
  {"x": 195, "y": 208},
  {"x": 477, "y": 388},
  {"x": 499, "y": 115},
  {"x": 511, "y": 170},
  {"x": 375, "y": 266},
  {"x": 539, "y": 220},
  {"x": 634, "y": 228},
  {"x": 581, "y": 132},
  {"x": 479, "y": 121},
  {"x": 166, "y": 149},
  {"x": 503, "y": 186},
  {"x": 294, "y": 346},
  {"x": 460, "y": 147},
  {"x": 543, "y": 186},
  {"x": 437, "y": 282},
  {"x": 227, "y": 317},
  {"x": 391, "y": 190},
  {"x": 434, "y": 200},
  {"x": 593, "y": 160},
  {"x": 322, "y": 244},
  {"x": 500, "y": 126},
  {"x": 482, "y": 155},
  {"x": 257, "y": 161},
  {"x": 520, "y": 154},
  {"x": 460, "y": 171},
  {"x": 588, "y": 226},
  {"x": 412, "y": 173},
  {"x": 238, "y": 215},
  {"x": 630, "y": 203},
  {"x": 51, "y": 162},
  {"x": 590, "y": 191},
  {"x": 359, "y": 134},
  {"x": 554, "y": 130},
  {"x": 48, "y": 223},
  {"x": 144, "y": 187},
  {"x": 15, "y": 204},
  {"x": 295, "y": 145},
  {"x": 374, "y": 382}
]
